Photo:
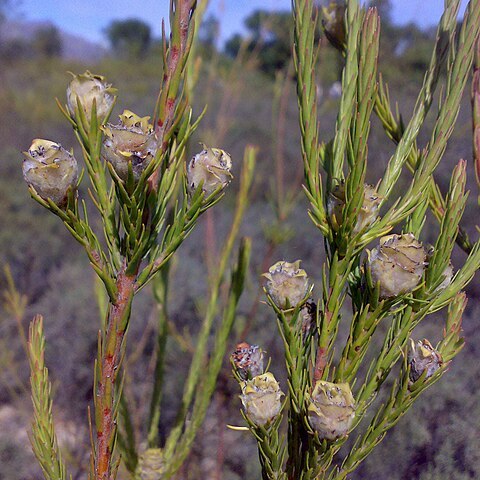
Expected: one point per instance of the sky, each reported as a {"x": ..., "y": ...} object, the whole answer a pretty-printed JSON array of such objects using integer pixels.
[{"x": 89, "y": 18}]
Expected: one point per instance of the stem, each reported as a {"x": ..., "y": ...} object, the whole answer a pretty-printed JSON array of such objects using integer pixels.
[{"x": 108, "y": 363}]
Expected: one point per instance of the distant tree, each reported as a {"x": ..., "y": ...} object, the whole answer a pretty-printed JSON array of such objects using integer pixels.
[
  {"x": 270, "y": 35},
  {"x": 208, "y": 32},
  {"x": 3, "y": 8},
  {"x": 233, "y": 44},
  {"x": 131, "y": 37},
  {"x": 47, "y": 42}
]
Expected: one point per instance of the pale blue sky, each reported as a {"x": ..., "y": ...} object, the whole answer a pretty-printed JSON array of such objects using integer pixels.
[{"x": 89, "y": 18}]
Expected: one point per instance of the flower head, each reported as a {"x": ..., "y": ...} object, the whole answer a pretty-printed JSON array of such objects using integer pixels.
[
  {"x": 151, "y": 465},
  {"x": 261, "y": 398},
  {"x": 132, "y": 142},
  {"x": 50, "y": 170},
  {"x": 331, "y": 410},
  {"x": 210, "y": 168},
  {"x": 287, "y": 284},
  {"x": 248, "y": 360},
  {"x": 397, "y": 264},
  {"x": 368, "y": 211},
  {"x": 88, "y": 88},
  {"x": 334, "y": 24},
  {"x": 423, "y": 357}
]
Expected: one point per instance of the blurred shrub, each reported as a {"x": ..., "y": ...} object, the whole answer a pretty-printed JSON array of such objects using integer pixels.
[{"x": 130, "y": 37}]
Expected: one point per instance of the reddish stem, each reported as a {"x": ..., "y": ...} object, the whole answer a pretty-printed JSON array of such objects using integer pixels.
[{"x": 111, "y": 352}]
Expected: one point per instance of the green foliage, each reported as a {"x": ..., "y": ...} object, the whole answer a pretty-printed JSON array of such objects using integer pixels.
[
  {"x": 129, "y": 37},
  {"x": 44, "y": 441}
]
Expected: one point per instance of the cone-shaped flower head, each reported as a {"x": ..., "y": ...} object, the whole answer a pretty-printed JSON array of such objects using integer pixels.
[
  {"x": 50, "y": 170},
  {"x": 211, "y": 168},
  {"x": 397, "y": 264},
  {"x": 367, "y": 214},
  {"x": 261, "y": 398},
  {"x": 447, "y": 272},
  {"x": 423, "y": 357},
  {"x": 89, "y": 88},
  {"x": 287, "y": 284},
  {"x": 131, "y": 142},
  {"x": 248, "y": 360},
  {"x": 447, "y": 277},
  {"x": 332, "y": 409},
  {"x": 151, "y": 465},
  {"x": 334, "y": 24},
  {"x": 308, "y": 316}
]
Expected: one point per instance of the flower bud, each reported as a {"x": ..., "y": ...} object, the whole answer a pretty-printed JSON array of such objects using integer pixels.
[
  {"x": 50, "y": 170},
  {"x": 334, "y": 24},
  {"x": 151, "y": 465},
  {"x": 332, "y": 409},
  {"x": 88, "y": 88},
  {"x": 248, "y": 360},
  {"x": 423, "y": 357},
  {"x": 261, "y": 398},
  {"x": 211, "y": 168},
  {"x": 368, "y": 211},
  {"x": 397, "y": 264},
  {"x": 131, "y": 142},
  {"x": 287, "y": 284}
]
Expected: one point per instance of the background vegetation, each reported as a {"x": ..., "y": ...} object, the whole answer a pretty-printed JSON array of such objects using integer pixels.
[{"x": 250, "y": 95}]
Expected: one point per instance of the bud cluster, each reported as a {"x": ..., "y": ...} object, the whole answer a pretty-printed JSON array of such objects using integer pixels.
[{"x": 128, "y": 146}]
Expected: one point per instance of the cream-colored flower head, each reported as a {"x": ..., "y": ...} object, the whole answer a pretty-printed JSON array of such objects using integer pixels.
[
  {"x": 331, "y": 410},
  {"x": 261, "y": 398},
  {"x": 423, "y": 357},
  {"x": 151, "y": 465},
  {"x": 89, "y": 88},
  {"x": 287, "y": 284},
  {"x": 131, "y": 142},
  {"x": 50, "y": 170},
  {"x": 397, "y": 264},
  {"x": 366, "y": 216},
  {"x": 210, "y": 168}
]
